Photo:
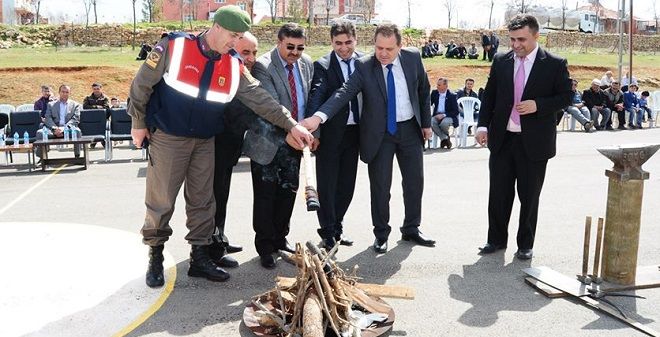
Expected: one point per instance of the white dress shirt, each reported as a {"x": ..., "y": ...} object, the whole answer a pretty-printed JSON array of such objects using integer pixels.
[
  {"x": 63, "y": 106},
  {"x": 344, "y": 71},
  {"x": 442, "y": 97},
  {"x": 404, "y": 109}
]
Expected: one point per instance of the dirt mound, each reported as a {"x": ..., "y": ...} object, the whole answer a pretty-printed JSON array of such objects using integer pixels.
[{"x": 22, "y": 85}]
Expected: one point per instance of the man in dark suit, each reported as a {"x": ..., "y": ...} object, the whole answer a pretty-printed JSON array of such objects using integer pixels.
[
  {"x": 525, "y": 89},
  {"x": 395, "y": 120},
  {"x": 337, "y": 155},
  {"x": 286, "y": 73},
  {"x": 444, "y": 110},
  {"x": 228, "y": 144}
]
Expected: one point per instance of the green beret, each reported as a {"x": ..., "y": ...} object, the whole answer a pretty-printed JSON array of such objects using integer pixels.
[{"x": 232, "y": 18}]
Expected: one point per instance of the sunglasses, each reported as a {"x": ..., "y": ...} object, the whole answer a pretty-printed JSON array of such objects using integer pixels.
[{"x": 292, "y": 47}]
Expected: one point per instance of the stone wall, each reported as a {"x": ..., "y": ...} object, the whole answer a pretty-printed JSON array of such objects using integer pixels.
[
  {"x": 649, "y": 43},
  {"x": 116, "y": 35}
]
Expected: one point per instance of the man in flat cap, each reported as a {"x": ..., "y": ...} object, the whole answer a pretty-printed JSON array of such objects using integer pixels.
[{"x": 177, "y": 103}]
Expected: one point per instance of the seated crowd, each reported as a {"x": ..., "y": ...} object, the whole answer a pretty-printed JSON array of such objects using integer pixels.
[
  {"x": 595, "y": 107},
  {"x": 61, "y": 112},
  {"x": 489, "y": 45}
]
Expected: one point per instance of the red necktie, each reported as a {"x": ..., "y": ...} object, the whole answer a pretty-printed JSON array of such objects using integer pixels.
[{"x": 294, "y": 93}]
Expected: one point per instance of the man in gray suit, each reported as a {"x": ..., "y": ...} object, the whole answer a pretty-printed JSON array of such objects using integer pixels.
[
  {"x": 61, "y": 114},
  {"x": 395, "y": 120},
  {"x": 286, "y": 73}
]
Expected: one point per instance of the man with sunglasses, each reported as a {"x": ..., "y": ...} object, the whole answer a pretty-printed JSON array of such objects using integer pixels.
[
  {"x": 177, "y": 102},
  {"x": 286, "y": 73}
]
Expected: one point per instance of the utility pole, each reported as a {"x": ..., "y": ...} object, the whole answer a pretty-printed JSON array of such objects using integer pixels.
[
  {"x": 622, "y": 10},
  {"x": 630, "y": 44}
]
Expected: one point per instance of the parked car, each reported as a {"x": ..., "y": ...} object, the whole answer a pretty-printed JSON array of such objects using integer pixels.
[{"x": 357, "y": 19}]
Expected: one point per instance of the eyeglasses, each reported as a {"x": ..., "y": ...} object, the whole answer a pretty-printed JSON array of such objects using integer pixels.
[{"x": 292, "y": 47}]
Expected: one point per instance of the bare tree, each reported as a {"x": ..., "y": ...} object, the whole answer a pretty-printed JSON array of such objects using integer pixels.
[
  {"x": 134, "y": 24},
  {"x": 490, "y": 16},
  {"x": 366, "y": 8},
  {"x": 249, "y": 7},
  {"x": 655, "y": 14},
  {"x": 96, "y": 18},
  {"x": 328, "y": 6},
  {"x": 88, "y": 8},
  {"x": 522, "y": 6},
  {"x": 148, "y": 10},
  {"x": 295, "y": 10},
  {"x": 37, "y": 6},
  {"x": 564, "y": 8},
  {"x": 272, "y": 5},
  {"x": 409, "y": 13},
  {"x": 450, "y": 5}
]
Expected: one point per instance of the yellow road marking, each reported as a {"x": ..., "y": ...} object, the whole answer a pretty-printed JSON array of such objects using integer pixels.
[
  {"x": 29, "y": 190},
  {"x": 169, "y": 287}
]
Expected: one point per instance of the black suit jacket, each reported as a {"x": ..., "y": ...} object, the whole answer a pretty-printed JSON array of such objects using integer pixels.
[
  {"x": 328, "y": 77},
  {"x": 451, "y": 105},
  {"x": 373, "y": 120},
  {"x": 548, "y": 84}
]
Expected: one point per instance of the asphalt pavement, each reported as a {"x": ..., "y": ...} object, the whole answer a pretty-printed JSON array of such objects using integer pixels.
[{"x": 74, "y": 264}]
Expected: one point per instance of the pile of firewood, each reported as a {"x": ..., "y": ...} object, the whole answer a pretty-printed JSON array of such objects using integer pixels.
[{"x": 322, "y": 296}]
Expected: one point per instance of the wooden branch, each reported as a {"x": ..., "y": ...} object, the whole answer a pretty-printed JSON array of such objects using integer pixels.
[
  {"x": 389, "y": 291},
  {"x": 312, "y": 317}
]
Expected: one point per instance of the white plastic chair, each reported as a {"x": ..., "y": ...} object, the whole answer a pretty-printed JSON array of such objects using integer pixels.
[
  {"x": 655, "y": 108},
  {"x": 469, "y": 104},
  {"x": 25, "y": 107},
  {"x": 7, "y": 108}
]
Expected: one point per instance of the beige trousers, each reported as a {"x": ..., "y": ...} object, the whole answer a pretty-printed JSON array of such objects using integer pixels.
[{"x": 173, "y": 161}]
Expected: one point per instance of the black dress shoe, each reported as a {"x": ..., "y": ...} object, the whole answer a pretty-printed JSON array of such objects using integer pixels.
[
  {"x": 233, "y": 248},
  {"x": 524, "y": 254},
  {"x": 380, "y": 246},
  {"x": 227, "y": 262},
  {"x": 344, "y": 240},
  {"x": 490, "y": 248},
  {"x": 267, "y": 261},
  {"x": 287, "y": 247},
  {"x": 419, "y": 239},
  {"x": 328, "y": 243}
]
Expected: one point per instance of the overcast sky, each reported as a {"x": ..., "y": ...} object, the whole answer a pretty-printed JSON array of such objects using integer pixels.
[{"x": 425, "y": 13}]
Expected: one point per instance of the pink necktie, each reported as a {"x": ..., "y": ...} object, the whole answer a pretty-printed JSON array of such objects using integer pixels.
[{"x": 518, "y": 87}]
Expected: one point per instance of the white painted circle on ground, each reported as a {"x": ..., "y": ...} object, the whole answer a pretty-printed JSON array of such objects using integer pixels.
[{"x": 63, "y": 279}]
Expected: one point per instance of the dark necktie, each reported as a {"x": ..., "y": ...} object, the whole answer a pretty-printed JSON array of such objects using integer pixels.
[
  {"x": 294, "y": 93},
  {"x": 355, "y": 106},
  {"x": 391, "y": 101}
]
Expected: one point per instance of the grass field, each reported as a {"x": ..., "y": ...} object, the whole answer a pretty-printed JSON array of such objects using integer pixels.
[{"x": 23, "y": 70}]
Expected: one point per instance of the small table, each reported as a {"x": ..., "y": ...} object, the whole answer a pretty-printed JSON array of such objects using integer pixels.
[
  {"x": 22, "y": 148},
  {"x": 45, "y": 145}
]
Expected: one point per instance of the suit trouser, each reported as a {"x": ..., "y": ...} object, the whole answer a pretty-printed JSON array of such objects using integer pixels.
[
  {"x": 336, "y": 169},
  {"x": 174, "y": 160},
  {"x": 274, "y": 187},
  {"x": 441, "y": 129},
  {"x": 508, "y": 168},
  {"x": 606, "y": 112},
  {"x": 227, "y": 145},
  {"x": 407, "y": 145},
  {"x": 621, "y": 117}
]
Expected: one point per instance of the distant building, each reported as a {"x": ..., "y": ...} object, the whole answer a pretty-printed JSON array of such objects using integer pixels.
[
  {"x": 187, "y": 10},
  {"x": 16, "y": 12}
]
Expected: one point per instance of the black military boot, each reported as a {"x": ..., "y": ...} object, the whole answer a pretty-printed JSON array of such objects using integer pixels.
[
  {"x": 155, "y": 276},
  {"x": 201, "y": 265},
  {"x": 218, "y": 254}
]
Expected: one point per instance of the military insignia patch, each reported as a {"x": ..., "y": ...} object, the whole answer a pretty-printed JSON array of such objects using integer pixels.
[
  {"x": 153, "y": 59},
  {"x": 221, "y": 81}
]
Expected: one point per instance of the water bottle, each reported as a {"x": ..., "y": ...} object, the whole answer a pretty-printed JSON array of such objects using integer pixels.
[
  {"x": 44, "y": 133},
  {"x": 74, "y": 134},
  {"x": 66, "y": 134},
  {"x": 26, "y": 138},
  {"x": 17, "y": 140}
]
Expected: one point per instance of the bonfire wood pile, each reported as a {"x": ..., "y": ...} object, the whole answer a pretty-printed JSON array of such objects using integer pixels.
[{"x": 321, "y": 296}]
